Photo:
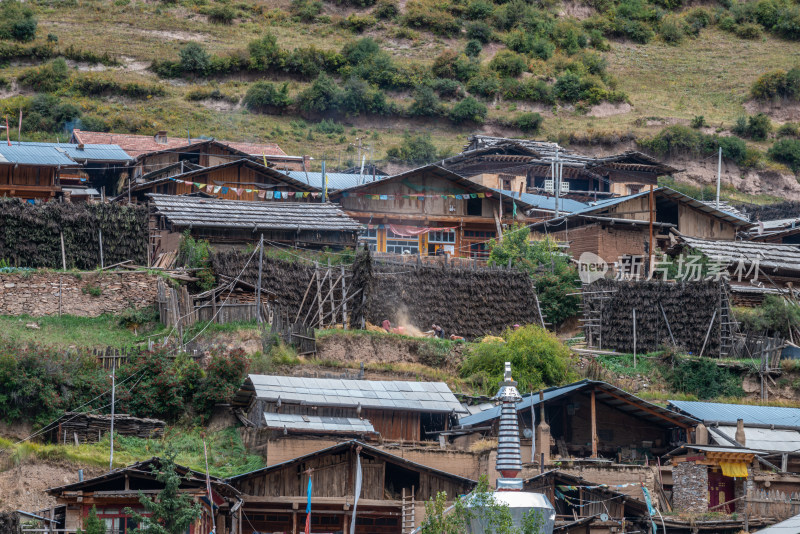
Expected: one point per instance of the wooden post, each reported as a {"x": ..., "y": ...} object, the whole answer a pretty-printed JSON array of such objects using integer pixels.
[
  {"x": 319, "y": 294},
  {"x": 650, "y": 251},
  {"x": 100, "y": 235},
  {"x": 63, "y": 254},
  {"x": 60, "y": 295},
  {"x": 746, "y": 511},
  {"x": 258, "y": 286},
  {"x": 708, "y": 333},
  {"x": 594, "y": 427},
  {"x": 344, "y": 301},
  {"x": 634, "y": 338},
  {"x": 333, "y": 302}
]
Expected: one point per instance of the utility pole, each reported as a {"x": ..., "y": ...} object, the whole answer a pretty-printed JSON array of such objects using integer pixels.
[
  {"x": 650, "y": 249},
  {"x": 556, "y": 179},
  {"x": 258, "y": 287},
  {"x": 719, "y": 174},
  {"x": 113, "y": 399}
]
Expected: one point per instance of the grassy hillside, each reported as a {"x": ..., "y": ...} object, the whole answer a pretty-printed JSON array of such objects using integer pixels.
[{"x": 595, "y": 71}]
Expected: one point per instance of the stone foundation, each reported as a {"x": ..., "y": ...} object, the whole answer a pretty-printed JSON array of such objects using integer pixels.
[
  {"x": 690, "y": 488},
  {"x": 83, "y": 294}
]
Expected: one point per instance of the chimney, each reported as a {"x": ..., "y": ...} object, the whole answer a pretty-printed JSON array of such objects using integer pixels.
[
  {"x": 161, "y": 137},
  {"x": 740, "y": 437},
  {"x": 701, "y": 435},
  {"x": 80, "y": 146}
]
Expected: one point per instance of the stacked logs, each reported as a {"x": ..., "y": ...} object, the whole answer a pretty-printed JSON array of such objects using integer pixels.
[
  {"x": 30, "y": 234},
  {"x": 89, "y": 428}
]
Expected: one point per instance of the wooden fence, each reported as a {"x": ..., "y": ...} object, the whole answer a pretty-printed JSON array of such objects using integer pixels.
[
  {"x": 293, "y": 333},
  {"x": 773, "y": 504}
]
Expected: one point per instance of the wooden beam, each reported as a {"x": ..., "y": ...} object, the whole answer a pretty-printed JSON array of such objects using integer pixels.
[
  {"x": 594, "y": 427},
  {"x": 376, "y": 215},
  {"x": 645, "y": 409}
]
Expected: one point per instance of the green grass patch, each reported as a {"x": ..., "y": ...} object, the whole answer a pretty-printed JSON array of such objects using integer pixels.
[
  {"x": 227, "y": 455},
  {"x": 69, "y": 330}
]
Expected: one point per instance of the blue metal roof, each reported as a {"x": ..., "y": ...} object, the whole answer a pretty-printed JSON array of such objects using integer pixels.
[
  {"x": 54, "y": 154},
  {"x": 717, "y": 411},
  {"x": 547, "y": 203},
  {"x": 336, "y": 180},
  {"x": 790, "y": 526}
]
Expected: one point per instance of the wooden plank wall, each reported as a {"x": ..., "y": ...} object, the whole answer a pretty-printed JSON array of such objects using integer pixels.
[
  {"x": 395, "y": 424},
  {"x": 27, "y": 175}
]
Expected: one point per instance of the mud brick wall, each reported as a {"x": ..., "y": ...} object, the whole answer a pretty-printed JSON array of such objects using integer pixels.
[
  {"x": 690, "y": 487},
  {"x": 36, "y": 294},
  {"x": 689, "y": 307}
]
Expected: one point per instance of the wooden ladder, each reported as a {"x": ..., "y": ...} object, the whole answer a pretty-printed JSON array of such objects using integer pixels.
[
  {"x": 409, "y": 518},
  {"x": 727, "y": 324}
]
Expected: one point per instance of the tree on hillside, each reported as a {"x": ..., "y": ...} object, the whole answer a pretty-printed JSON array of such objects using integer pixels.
[
  {"x": 552, "y": 273},
  {"x": 94, "y": 525},
  {"x": 171, "y": 512}
]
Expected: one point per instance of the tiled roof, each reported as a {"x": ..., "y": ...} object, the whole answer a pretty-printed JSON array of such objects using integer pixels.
[
  {"x": 314, "y": 423},
  {"x": 543, "y": 202},
  {"x": 729, "y": 413},
  {"x": 199, "y": 212},
  {"x": 136, "y": 145},
  {"x": 767, "y": 255},
  {"x": 434, "y": 397}
]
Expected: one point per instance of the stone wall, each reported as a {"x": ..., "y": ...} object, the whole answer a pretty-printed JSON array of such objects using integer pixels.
[
  {"x": 690, "y": 487},
  {"x": 84, "y": 294}
]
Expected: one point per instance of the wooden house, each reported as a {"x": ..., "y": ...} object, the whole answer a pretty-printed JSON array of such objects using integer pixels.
[
  {"x": 121, "y": 488},
  {"x": 431, "y": 210},
  {"x": 241, "y": 179},
  {"x": 392, "y": 498},
  {"x": 591, "y": 419},
  {"x": 584, "y": 507},
  {"x": 509, "y": 164},
  {"x": 229, "y": 223},
  {"x": 396, "y": 410},
  {"x": 780, "y": 231},
  {"x": 32, "y": 171},
  {"x": 619, "y": 228}
]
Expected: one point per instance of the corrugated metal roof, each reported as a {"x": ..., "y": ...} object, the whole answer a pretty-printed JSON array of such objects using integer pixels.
[
  {"x": 767, "y": 255},
  {"x": 729, "y": 413},
  {"x": 790, "y": 526},
  {"x": 336, "y": 180},
  {"x": 433, "y": 397},
  {"x": 543, "y": 202},
  {"x": 267, "y": 215},
  {"x": 41, "y": 154},
  {"x": 604, "y": 392},
  {"x": 711, "y": 448},
  {"x": 315, "y": 423},
  {"x": 762, "y": 439}
]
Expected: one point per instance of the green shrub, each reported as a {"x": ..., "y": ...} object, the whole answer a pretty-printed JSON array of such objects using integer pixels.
[
  {"x": 265, "y": 96},
  {"x": 386, "y": 9},
  {"x": 48, "y": 113},
  {"x": 568, "y": 87},
  {"x": 306, "y": 10},
  {"x": 194, "y": 59},
  {"x": 17, "y": 21},
  {"x": 265, "y": 53},
  {"x": 48, "y": 78},
  {"x": 777, "y": 84},
  {"x": 414, "y": 149},
  {"x": 756, "y": 127},
  {"x": 448, "y": 88},
  {"x": 428, "y": 14},
  {"x": 789, "y": 129},
  {"x": 221, "y": 14},
  {"x": 473, "y": 48},
  {"x": 96, "y": 85},
  {"x": 671, "y": 31},
  {"x": 311, "y": 61},
  {"x": 323, "y": 95},
  {"x": 327, "y": 126},
  {"x": 479, "y": 31},
  {"x": 358, "y": 23},
  {"x": 223, "y": 377},
  {"x": 478, "y": 10},
  {"x": 468, "y": 110},
  {"x": 529, "y": 122},
  {"x": 698, "y": 121},
  {"x": 786, "y": 150},
  {"x": 748, "y": 30},
  {"x": 538, "y": 359},
  {"x": 704, "y": 379},
  {"x": 358, "y": 96},
  {"x": 426, "y": 103},
  {"x": 696, "y": 19},
  {"x": 485, "y": 84},
  {"x": 508, "y": 63}
]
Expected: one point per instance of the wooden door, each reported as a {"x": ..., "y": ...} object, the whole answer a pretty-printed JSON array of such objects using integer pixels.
[{"x": 721, "y": 489}]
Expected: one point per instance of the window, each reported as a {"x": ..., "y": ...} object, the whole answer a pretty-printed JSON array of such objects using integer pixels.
[
  {"x": 116, "y": 520},
  {"x": 398, "y": 244},
  {"x": 475, "y": 233},
  {"x": 442, "y": 236},
  {"x": 370, "y": 238},
  {"x": 475, "y": 206},
  {"x": 634, "y": 189},
  {"x": 478, "y": 250}
]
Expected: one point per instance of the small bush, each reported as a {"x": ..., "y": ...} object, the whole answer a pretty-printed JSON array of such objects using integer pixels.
[
  {"x": 265, "y": 53},
  {"x": 748, "y": 30},
  {"x": 265, "y": 96},
  {"x": 306, "y": 10},
  {"x": 426, "y": 103},
  {"x": 428, "y": 14},
  {"x": 473, "y": 48},
  {"x": 221, "y": 14},
  {"x": 468, "y": 110},
  {"x": 327, "y": 126},
  {"x": 194, "y": 59},
  {"x": 322, "y": 96},
  {"x": 786, "y": 151},
  {"x": 46, "y": 79},
  {"x": 358, "y": 23},
  {"x": 756, "y": 127},
  {"x": 788, "y": 130},
  {"x": 386, "y": 9},
  {"x": 671, "y": 31},
  {"x": 704, "y": 379},
  {"x": 479, "y": 31},
  {"x": 479, "y": 10},
  {"x": 508, "y": 63},
  {"x": 358, "y": 96},
  {"x": 17, "y": 21},
  {"x": 529, "y": 122},
  {"x": 448, "y": 88},
  {"x": 777, "y": 84},
  {"x": 485, "y": 84},
  {"x": 698, "y": 121},
  {"x": 414, "y": 149}
]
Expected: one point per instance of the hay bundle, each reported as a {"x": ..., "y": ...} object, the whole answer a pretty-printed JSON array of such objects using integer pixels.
[
  {"x": 688, "y": 306},
  {"x": 9, "y": 523},
  {"x": 30, "y": 234}
]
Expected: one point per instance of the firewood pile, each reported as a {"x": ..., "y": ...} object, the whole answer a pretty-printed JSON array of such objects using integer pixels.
[
  {"x": 30, "y": 235},
  {"x": 9, "y": 523},
  {"x": 685, "y": 308},
  {"x": 89, "y": 428}
]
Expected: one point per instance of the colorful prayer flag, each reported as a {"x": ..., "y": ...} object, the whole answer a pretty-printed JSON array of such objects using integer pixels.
[{"x": 308, "y": 507}]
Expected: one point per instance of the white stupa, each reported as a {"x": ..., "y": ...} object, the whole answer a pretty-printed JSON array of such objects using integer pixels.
[{"x": 509, "y": 464}]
